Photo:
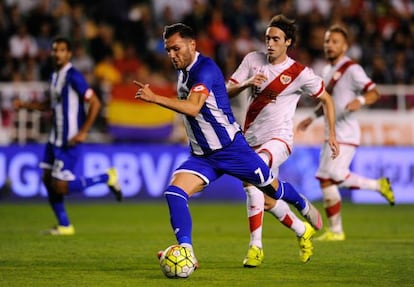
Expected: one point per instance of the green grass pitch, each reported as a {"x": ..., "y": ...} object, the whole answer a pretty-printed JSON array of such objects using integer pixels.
[{"x": 116, "y": 245}]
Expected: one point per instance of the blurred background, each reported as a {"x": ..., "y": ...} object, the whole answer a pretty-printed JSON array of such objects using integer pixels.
[{"x": 118, "y": 41}]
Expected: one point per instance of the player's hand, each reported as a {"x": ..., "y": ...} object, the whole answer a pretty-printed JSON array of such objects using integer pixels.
[
  {"x": 144, "y": 92},
  {"x": 353, "y": 106},
  {"x": 257, "y": 80},
  {"x": 333, "y": 144},
  {"x": 78, "y": 138},
  {"x": 304, "y": 124}
]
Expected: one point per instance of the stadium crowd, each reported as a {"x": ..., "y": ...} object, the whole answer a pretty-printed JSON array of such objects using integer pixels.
[{"x": 116, "y": 41}]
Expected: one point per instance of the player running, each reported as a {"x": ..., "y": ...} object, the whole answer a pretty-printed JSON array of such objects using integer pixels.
[
  {"x": 68, "y": 97},
  {"x": 275, "y": 82},
  {"x": 351, "y": 89}
]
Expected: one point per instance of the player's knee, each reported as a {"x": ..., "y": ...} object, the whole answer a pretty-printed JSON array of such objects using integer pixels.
[
  {"x": 332, "y": 180},
  {"x": 269, "y": 203},
  {"x": 60, "y": 186},
  {"x": 339, "y": 174},
  {"x": 174, "y": 190}
]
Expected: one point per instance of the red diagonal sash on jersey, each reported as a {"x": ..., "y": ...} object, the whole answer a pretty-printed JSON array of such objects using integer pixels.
[
  {"x": 335, "y": 78},
  {"x": 271, "y": 91},
  {"x": 337, "y": 75}
]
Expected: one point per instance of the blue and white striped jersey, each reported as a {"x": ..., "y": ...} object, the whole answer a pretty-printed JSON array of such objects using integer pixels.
[
  {"x": 68, "y": 93},
  {"x": 215, "y": 126}
]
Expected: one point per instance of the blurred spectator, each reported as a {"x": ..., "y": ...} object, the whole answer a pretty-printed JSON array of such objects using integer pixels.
[
  {"x": 404, "y": 8},
  {"x": 106, "y": 72},
  {"x": 220, "y": 34},
  {"x": 239, "y": 15},
  {"x": 44, "y": 40},
  {"x": 127, "y": 62},
  {"x": 62, "y": 16},
  {"x": 205, "y": 44},
  {"x": 308, "y": 7},
  {"x": 30, "y": 70},
  {"x": 387, "y": 20},
  {"x": 15, "y": 18},
  {"x": 176, "y": 9},
  {"x": 24, "y": 6},
  {"x": 379, "y": 71},
  {"x": 198, "y": 18},
  {"x": 244, "y": 43},
  {"x": 400, "y": 72},
  {"x": 82, "y": 60},
  {"x": 40, "y": 15},
  {"x": 22, "y": 44},
  {"x": 102, "y": 43}
]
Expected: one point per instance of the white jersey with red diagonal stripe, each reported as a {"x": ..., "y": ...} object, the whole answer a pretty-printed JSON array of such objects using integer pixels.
[
  {"x": 352, "y": 83},
  {"x": 286, "y": 82}
]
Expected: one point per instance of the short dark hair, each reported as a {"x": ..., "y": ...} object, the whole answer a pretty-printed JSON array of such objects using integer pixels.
[
  {"x": 286, "y": 25},
  {"x": 336, "y": 28},
  {"x": 183, "y": 30},
  {"x": 65, "y": 40}
]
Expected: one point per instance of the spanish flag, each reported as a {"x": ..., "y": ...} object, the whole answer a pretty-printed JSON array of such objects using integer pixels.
[{"x": 130, "y": 119}]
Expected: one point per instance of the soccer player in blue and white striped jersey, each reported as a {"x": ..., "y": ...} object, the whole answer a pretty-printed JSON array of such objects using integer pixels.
[
  {"x": 68, "y": 96},
  {"x": 217, "y": 144}
]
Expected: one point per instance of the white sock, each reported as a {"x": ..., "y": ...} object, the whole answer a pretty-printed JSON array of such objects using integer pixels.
[
  {"x": 359, "y": 182},
  {"x": 287, "y": 217},
  {"x": 332, "y": 204},
  {"x": 255, "y": 210}
]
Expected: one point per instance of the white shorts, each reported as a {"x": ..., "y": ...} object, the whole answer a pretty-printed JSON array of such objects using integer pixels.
[
  {"x": 335, "y": 169},
  {"x": 274, "y": 153}
]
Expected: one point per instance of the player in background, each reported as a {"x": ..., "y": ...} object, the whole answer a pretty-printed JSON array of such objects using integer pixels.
[
  {"x": 69, "y": 94},
  {"x": 216, "y": 141},
  {"x": 275, "y": 82},
  {"x": 351, "y": 89}
]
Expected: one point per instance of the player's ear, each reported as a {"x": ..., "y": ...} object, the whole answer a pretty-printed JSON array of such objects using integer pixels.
[
  {"x": 288, "y": 42},
  {"x": 193, "y": 44},
  {"x": 345, "y": 48}
]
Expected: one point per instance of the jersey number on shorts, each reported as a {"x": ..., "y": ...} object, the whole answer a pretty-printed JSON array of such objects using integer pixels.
[{"x": 259, "y": 172}]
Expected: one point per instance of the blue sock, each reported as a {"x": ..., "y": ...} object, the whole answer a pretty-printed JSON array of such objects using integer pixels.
[
  {"x": 180, "y": 217},
  {"x": 58, "y": 207},
  {"x": 78, "y": 185},
  {"x": 289, "y": 194}
]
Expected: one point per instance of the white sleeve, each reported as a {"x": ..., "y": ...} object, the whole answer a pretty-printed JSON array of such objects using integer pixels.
[
  {"x": 361, "y": 83},
  {"x": 312, "y": 85},
  {"x": 243, "y": 71}
]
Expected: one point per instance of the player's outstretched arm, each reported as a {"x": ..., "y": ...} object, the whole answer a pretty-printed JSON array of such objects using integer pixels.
[{"x": 190, "y": 106}]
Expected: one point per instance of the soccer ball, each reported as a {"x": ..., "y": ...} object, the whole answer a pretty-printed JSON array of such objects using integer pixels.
[{"x": 177, "y": 262}]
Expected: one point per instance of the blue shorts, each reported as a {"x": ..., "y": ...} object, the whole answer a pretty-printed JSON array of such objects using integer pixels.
[
  {"x": 237, "y": 159},
  {"x": 61, "y": 160}
]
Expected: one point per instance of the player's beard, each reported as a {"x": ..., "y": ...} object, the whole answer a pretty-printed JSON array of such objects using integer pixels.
[
  {"x": 58, "y": 64},
  {"x": 182, "y": 62},
  {"x": 331, "y": 57}
]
